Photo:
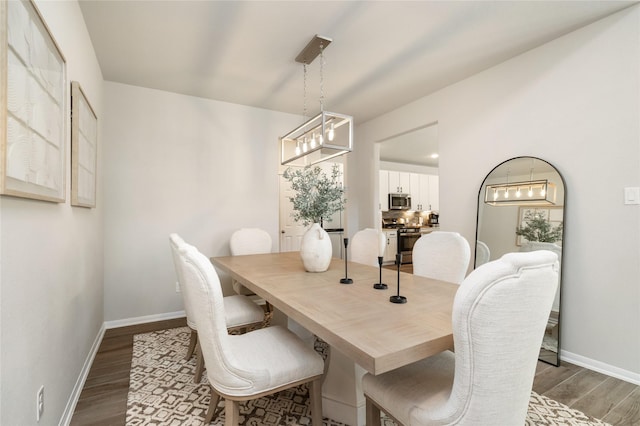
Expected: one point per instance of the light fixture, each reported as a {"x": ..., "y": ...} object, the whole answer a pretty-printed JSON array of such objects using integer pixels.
[
  {"x": 539, "y": 192},
  {"x": 329, "y": 134}
]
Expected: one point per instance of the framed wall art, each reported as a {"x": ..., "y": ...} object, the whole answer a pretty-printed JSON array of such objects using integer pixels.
[
  {"x": 33, "y": 105},
  {"x": 84, "y": 148}
]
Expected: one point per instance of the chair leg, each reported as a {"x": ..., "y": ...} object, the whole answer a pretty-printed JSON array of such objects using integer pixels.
[
  {"x": 372, "y": 413},
  {"x": 212, "y": 411},
  {"x": 199, "y": 365},
  {"x": 315, "y": 395},
  {"x": 268, "y": 314},
  {"x": 231, "y": 413},
  {"x": 193, "y": 340}
]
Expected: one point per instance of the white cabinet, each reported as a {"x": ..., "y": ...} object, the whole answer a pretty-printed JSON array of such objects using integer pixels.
[
  {"x": 424, "y": 192},
  {"x": 399, "y": 182},
  {"x": 422, "y": 188},
  {"x": 392, "y": 246},
  {"x": 434, "y": 192},
  {"x": 419, "y": 191}
]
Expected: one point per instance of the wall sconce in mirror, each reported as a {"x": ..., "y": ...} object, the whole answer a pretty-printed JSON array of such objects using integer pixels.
[
  {"x": 527, "y": 193},
  {"x": 539, "y": 192}
]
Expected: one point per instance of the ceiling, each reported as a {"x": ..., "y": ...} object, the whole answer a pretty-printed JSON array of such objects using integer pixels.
[
  {"x": 384, "y": 54},
  {"x": 416, "y": 147}
]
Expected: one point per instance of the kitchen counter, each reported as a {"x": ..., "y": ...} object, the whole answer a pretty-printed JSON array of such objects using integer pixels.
[{"x": 428, "y": 229}]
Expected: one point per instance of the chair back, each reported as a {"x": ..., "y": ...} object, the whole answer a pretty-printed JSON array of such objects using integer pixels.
[
  {"x": 250, "y": 241},
  {"x": 482, "y": 253},
  {"x": 442, "y": 256},
  {"x": 175, "y": 242},
  {"x": 366, "y": 246},
  {"x": 202, "y": 287},
  {"x": 499, "y": 317}
]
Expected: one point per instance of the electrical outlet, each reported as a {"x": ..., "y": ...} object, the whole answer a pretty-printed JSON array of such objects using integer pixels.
[{"x": 39, "y": 403}]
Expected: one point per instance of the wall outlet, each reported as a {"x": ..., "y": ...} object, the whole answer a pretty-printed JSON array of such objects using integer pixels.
[{"x": 39, "y": 403}]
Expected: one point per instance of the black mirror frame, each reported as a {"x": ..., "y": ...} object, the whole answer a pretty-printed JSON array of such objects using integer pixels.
[{"x": 564, "y": 215}]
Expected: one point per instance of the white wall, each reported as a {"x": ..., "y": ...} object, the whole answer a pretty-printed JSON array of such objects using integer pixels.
[
  {"x": 51, "y": 277},
  {"x": 575, "y": 103},
  {"x": 176, "y": 163}
]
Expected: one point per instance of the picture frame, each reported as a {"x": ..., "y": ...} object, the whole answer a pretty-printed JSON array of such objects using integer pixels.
[
  {"x": 33, "y": 110},
  {"x": 84, "y": 148},
  {"x": 554, "y": 214}
]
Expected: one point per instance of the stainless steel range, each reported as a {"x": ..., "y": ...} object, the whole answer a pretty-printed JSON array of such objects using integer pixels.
[{"x": 407, "y": 237}]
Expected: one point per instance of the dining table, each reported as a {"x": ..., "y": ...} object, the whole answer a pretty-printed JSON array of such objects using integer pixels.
[{"x": 364, "y": 329}]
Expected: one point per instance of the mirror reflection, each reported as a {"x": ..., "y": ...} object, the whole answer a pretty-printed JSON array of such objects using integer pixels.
[{"x": 521, "y": 208}]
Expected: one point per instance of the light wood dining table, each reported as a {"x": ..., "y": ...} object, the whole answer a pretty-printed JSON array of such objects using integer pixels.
[{"x": 355, "y": 319}]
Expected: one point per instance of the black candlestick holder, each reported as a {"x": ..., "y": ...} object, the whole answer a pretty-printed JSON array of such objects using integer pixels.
[
  {"x": 380, "y": 285},
  {"x": 397, "y": 298},
  {"x": 346, "y": 279}
]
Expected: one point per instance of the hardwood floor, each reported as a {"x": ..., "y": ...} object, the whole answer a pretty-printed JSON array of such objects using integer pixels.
[{"x": 103, "y": 400}]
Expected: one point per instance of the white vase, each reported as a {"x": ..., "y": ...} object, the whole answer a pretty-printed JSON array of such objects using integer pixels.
[{"x": 315, "y": 249}]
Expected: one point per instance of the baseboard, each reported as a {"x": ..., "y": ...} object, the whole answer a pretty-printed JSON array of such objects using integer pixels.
[
  {"x": 65, "y": 420},
  {"x": 142, "y": 320},
  {"x": 600, "y": 367}
]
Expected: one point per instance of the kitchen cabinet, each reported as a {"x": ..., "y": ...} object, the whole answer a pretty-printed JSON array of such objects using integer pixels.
[
  {"x": 422, "y": 188},
  {"x": 392, "y": 246},
  {"x": 424, "y": 192},
  {"x": 434, "y": 192},
  {"x": 419, "y": 191},
  {"x": 399, "y": 182}
]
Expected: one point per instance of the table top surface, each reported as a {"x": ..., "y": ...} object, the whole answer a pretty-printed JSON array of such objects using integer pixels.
[{"x": 355, "y": 319}]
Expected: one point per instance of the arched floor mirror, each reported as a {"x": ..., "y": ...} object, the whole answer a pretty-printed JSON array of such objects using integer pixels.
[{"x": 521, "y": 206}]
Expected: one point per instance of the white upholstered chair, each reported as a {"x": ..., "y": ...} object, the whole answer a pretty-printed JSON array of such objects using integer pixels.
[
  {"x": 248, "y": 241},
  {"x": 366, "y": 246},
  {"x": 442, "y": 256},
  {"x": 483, "y": 254},
  {"x": 241, "y": 313},
  {"x": 246, "y": 366},
  {"x": 499, "y": 316}
]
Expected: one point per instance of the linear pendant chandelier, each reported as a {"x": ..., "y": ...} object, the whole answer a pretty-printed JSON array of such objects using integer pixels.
[{"x": 325, "y": 136}]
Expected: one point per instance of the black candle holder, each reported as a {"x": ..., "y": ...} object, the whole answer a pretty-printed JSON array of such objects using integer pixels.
[
  {"x": 380, "y": 285},
  {"x": 397, "y": 298},
  {"x": 346, "y": 279}
]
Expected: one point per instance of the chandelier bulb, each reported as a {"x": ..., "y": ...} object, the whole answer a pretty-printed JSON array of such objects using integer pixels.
[
  {"x": 518, "y": 193},
  {"x": 320, "y": 139},
  {"x": 297, "y": 149},
  {"x": 332, "y": 133},
  {"x": 530, "y": 192},
  {"x": 495, "y": 194},
  {"x": 313, "y": 141},
  {"x": 305, "y": 146},
  {"x": 506, "y": 193},
  {"x": 542, "y": 192}
]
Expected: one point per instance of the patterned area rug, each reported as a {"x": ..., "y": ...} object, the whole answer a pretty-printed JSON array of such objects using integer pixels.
[{"x": 162, "y": 392}]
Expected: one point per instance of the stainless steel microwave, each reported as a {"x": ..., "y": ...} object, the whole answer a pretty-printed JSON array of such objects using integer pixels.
[{"x": 399, "y": 202}]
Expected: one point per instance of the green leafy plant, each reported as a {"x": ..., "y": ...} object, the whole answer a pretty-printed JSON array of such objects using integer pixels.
[
  {"x": 538, "y": 228},
  {"x": 317, "y": 196}
]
